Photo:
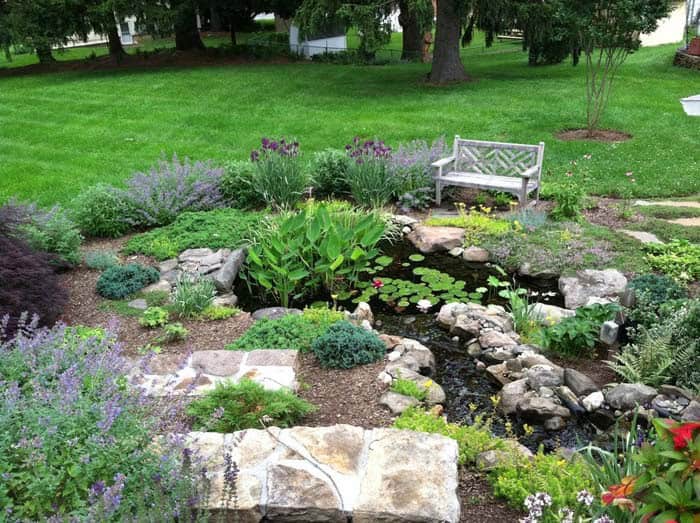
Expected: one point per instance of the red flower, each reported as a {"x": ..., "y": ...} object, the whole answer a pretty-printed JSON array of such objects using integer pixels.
[
  {"x": 617, "y": 494},
  {"x": 377, "y": 283},
  {"x": 683, "y": 434}
]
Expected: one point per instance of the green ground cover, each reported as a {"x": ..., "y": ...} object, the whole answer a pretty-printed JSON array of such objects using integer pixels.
[{"x": 63, "y": 132}]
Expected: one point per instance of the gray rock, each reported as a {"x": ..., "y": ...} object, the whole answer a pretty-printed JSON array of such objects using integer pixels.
[
  {"x": 139, "y": 304},
  {"x": 666, "y": 406},
  {"x": 492, "y": 459},
  {"x": 555, "y": 423},
  {"x": 511, "y": 394},
  {"x": 569, "y": 399},
  {"x": 170, "y": 276},
  {"x": 549, "y": 314},
  {"x": 530, "y": 360},
  {"x": 609, "y": 332},
  {"x": 541, "y": 409},
  {"x": 435, "y": 393},
  {"x": 363, "y": 312},
  {"x": 167, "y": 265},
  {"x": 497, "y": 355},
  {"x": 593, "y": 401},
  {"x": 224, "y": 363},
  {"x": 476, "y": 254},
  {"x": 514, "y": 365},
  {"x": 159, "y": 286},
  {"x": 526, "y": 269},
  {"x": 602, "y": 419},
  {"x": 492, "y": 339},
  {"x": 543, "y": 376},
  {"x": 498, "y": 372},
  {"x": 225, "y": 300},
  {"x": 396, "y": 402},
  {"x": 422, "y": 354},
  {"x": 404, "y": 220},
  {"x": 627, "y": 396},
  {"x": 545, "y": 392},
  {"x": 465, "y": 326},
  {"x": 577, "y": 290},
  {"x": 474, "y": 349},
  {"x": 273, "y": 313},
  {"x": 391, "y": 489},
  {"x": 678, "y": 392},
  {"x": 450, "y": 311},
  {"x": 691, "y": 412},
  {"x": 194, "y": 255},
  {"x": 457, "y": 251},
  {"x": 579, "y": 383},
  {"x": 436, "y": 239},
  {"x": 226, "y": 275}
]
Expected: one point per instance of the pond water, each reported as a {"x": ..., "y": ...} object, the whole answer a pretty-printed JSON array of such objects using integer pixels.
[{"x": 468, "y": 389}]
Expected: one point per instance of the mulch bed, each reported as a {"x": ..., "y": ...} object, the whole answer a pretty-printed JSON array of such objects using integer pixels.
[
  {"x": 595, "y": 367},
  {"x": 607, "y": 213},
  {"x": 600, "y": 135},
  {"x": 478, "y": 502},
  {"x": 348, "y": 396}
]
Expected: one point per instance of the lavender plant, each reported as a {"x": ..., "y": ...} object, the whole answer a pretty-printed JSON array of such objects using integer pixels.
[
  {"x": 370, "y": 181},
  {"x": 279, "y": 176},
  {"x": 172, "y": 188},
  {"x": 411, "y": 166},
  {"x": 76, "y": 442}
]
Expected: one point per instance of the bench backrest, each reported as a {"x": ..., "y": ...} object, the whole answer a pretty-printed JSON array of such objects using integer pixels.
[{"x": 497, "y": 158}]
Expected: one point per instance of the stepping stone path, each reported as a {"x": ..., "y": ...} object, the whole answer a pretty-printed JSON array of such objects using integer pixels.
[
  {"x": 199, "y": 372},
  {"x": 332, "y": 474},
  {"x": 687, "y": 222},
  {"x": 668, "y": 203},
  {"x": 644, "y": 237}
]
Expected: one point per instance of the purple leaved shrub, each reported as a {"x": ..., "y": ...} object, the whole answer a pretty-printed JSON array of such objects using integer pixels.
[
  {"x": 171, "y": 188},
  {"x": 78, "y": 443}
]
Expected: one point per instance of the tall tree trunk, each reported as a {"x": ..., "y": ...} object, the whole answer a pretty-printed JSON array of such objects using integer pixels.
[
  {"x": 43, "y": 52},
  {"x": 114, "y": 42},
  {"x": 412, "y": 46},
  {"x": 233, "y": 30},
  {"x": 186, "y": 33},
  {"x": 215, "y": 17},
  {"x": 447, "y": 63}
]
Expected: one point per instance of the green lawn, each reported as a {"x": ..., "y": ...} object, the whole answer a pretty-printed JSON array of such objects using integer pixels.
[{"x": 61, "y": 132}]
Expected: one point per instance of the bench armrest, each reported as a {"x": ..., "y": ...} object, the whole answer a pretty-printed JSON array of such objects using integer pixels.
[
  {"x": 443, "y": 161},
  {"x": 530, "y": 172}
]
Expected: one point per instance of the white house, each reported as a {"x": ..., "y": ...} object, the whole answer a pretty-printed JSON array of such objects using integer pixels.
[
  {"x": 127, "y": 30},
  {"x": 332, "y": 41}
]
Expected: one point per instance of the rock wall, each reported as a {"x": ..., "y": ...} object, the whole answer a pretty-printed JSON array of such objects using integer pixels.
[{"x": 330, "y": 474}]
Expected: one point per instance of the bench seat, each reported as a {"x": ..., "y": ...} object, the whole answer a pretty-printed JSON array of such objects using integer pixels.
[{"x": 508, "y": 184}]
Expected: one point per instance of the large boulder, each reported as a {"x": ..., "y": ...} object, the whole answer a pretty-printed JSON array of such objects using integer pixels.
[
  {"x": 511, "y": 394},
  {"x": 627, "y": 396},
  {"x": 541, "y": 409},
  {"x": 579, "y": 383},
  {"x": 396, "y": 402},
  {"x": 476, "y": 254},
  {"x": 691, "y": 412},
  {"x": 549, "y": 314},
  {"x": 273, "y": 313},
  {"x": 543, "y": 376},
  {"x": 587, "y": 284},
  {"x": 436, "y": 239},
  {"x": 224, "y": 277}
]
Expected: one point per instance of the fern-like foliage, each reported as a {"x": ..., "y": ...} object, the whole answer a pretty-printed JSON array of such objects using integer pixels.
[{"x": 649, "y": 361}]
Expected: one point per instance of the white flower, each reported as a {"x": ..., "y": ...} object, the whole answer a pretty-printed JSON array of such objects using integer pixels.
[
  {"x": 424, "y": 305},
  {"x": 584, "y": 497}
]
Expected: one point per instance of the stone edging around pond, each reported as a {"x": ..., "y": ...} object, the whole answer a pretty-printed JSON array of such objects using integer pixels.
[
  {"x": 542, "y": 392},
  {"x": 199, "y": 372},
  {"x": 332, "y": 473}
]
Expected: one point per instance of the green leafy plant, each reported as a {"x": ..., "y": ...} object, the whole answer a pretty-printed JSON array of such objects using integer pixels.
[
  {"x": 246, "y": 405},
  {"x": 192, "y": 296},
  {"x": 103, "y": 211},
  {"x": 472, "y": 440},
  {"x": 576, "y": 336},
  {"x": 314, "y": 248},
  {"x": 345, "y": 345},
  {"x": 648, "y": 361},
  {"x": 658, "y": 288},
  {"x": 121, "y": 281},
  {"x": 217, "y": 313},
  {"x": 569, "y": 200},
  {"x": 100, "y": 260},
  {"x": 679, "y": 259},
  {"x": 238, "y": 185},
  {"x": 329, "y": 172},
  {"x": 409, "y": 388},
  {"x": 173, "y": 332},
  {"x": 477, "y": 223},
  {"x": 216, "y": 229},
  {"x": 154, "y": 317},
  {"x": 293, "y": 331}
]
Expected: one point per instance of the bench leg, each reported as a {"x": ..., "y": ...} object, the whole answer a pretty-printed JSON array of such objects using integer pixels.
[
  {"x": 438, "y": 195},
  {"x": 523, "y": 194}
]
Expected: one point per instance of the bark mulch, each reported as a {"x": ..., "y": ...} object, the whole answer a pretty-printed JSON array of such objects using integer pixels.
[{"x": 478, "y": 502}]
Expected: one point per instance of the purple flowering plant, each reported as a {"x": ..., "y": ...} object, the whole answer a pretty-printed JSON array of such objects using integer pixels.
[
  {"x": 171, "y": 188},
  {"x": 411, "y": 165},
  {"x": 279, "y": 177},
  {"x": 76, "y": 441},
  {"x": 369, "y": 178}
]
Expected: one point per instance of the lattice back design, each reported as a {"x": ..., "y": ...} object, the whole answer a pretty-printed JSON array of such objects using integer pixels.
[{"x": 494, "y": 160}]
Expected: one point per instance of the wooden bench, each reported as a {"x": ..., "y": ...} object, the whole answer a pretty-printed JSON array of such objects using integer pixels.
[{"x": 497, "y": 166}]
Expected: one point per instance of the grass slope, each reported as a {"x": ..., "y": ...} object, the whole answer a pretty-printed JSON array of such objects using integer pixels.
[{"x": 61, "y": 132}]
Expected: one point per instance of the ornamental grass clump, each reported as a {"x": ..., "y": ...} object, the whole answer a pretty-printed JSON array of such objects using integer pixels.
[
  {"x": 171, "y": 188},
  {"x": 368, "y": 176},
  {"x": 279, "y": 176},
  {"x": 77, "y": 443}
]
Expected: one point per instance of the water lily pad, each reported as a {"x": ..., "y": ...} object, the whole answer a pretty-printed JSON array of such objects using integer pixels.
[
  {"x": 416, "y": 257},
  {"x": 384, "y": 260}
]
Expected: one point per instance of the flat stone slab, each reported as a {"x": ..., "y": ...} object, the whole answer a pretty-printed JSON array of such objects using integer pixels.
[
  {"x": 199, "y": 372},
  {"x": 668, "y": 203},
  {"x": 686, "y": 222},
  {"x": 332, "y": 474},
  {"x": 436, "y": 239},
  {"x": 644, "y": 237}
]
